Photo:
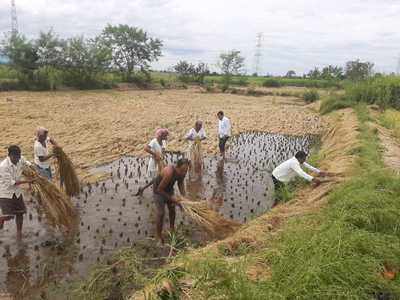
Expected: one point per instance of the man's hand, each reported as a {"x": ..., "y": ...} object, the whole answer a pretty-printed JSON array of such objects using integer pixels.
[
  {"x": 316, "y": 182},
  {"x": 176, "y": 201},
  {"x": 157, "y": 156}
]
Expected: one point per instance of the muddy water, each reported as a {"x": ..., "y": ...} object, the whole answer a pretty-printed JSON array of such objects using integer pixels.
[{"x": 110, "y": 216}]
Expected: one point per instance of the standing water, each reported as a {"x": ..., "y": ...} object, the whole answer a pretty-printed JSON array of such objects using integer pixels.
[{"x": 111, "y": 217}]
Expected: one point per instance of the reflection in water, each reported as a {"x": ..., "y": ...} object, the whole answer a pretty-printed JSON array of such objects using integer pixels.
[{"x": 110, "y": 217}]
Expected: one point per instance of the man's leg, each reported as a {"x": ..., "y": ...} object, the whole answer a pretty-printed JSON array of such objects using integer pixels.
[
  {"x": 160, "y": 207},
  {"x": 172, "y": 214},
  {"x": 19, "y": 220}
]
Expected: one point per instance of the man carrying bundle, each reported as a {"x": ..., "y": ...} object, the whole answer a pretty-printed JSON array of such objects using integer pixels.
[
  {"x": 224, "y": 132},
  {"x": 163, "y": 191},
  {"x": 11, "y": 201},
  {"x": 291, "y": 168},
  {"x": 155, "y": 148},
  {"x": 41, "y": 152},
  {"x": 195, "y": 136}
]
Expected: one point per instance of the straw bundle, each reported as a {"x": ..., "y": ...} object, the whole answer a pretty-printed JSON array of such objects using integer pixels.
[
  {"x": 196, "y": 155},
  {"x": 210, "y": 220},
  {"x": 68, "y": 178},
  {"x": 56, "y": 205}
]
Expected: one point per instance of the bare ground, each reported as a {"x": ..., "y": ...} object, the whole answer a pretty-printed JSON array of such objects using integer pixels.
[{"x": 95, "y": 127}]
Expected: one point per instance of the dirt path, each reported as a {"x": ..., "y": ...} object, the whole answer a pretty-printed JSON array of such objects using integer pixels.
[{"x": 335, "y": 157}]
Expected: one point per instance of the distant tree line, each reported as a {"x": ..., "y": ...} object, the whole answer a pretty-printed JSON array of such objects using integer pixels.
[{"x": 119, "y": 52}]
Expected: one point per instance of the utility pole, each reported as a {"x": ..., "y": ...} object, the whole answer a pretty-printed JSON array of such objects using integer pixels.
[
  {"x": 258, "y": 54},
  {"x": 14, "y": 20},
  {"x": 398, "y": 66}
]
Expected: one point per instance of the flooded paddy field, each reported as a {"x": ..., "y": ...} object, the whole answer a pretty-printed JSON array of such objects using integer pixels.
[{"x": 111, "y": 217}]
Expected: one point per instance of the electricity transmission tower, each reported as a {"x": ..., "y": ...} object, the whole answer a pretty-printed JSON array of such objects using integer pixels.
[
  {"x": 398, "y": 66},
  {"x": 258, "y": 54},
  {"x": 14, "y": 20}
]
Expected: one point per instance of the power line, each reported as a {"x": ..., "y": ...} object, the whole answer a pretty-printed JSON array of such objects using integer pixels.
[
  {"x": 258, "y": 54},
  {"x": 14, "y": 20}
]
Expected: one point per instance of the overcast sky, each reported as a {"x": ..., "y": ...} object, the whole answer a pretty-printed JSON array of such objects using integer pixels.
[{"x": 297, "y": 34}]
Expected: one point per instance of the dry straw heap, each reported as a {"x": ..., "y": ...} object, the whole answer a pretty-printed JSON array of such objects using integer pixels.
[
  {"x": 68, "y": 178},
  {"x": 56, "y": 206},
  {"x": 208, "y": 219}
]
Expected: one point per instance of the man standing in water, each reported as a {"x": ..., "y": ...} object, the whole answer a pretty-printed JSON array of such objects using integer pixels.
[
  {"x": 41, "y": 152},
  {"x": 155, "y": 148},
  {"x": 11, "y": 201},
  {"x": 224, "y": 132},
  {"x": 291, "y": 168},
  {"x": 163, "y": 189}
]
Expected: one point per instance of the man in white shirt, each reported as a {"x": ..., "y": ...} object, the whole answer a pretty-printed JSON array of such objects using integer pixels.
[
  {"x": 41, "y": 152},
  {"x": 224, "y": 132},
  {"x": 155, "y": 148},
  {"x": 11, "y": 201},
  {"x": 291, "y": 168},
  {"x": 194, "y": 153}
]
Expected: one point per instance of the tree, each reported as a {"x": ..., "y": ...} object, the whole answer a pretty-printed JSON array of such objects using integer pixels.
[
  {"x": 131, "y": 47},
  {"x": 332, "y": 72},
  {"x": 357, "y": 70},
  {"x": 191, "y": 72},
  {"x": 231, "y": 63},
  {"x": 314, "y": 74},
  {"x": 290, "y": 74},
  {"x": 49, "y": 49},
  {"x": 84, "y": 60},
  {"x": 21, "y": 53}
]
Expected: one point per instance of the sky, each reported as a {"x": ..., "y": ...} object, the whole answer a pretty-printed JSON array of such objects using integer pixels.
[{"x": 297, "y": 34}]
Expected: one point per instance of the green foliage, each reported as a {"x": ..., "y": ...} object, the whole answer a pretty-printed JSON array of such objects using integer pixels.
[
  {"x": 271, "y": 82},
  {"x": 131, "y": 47},
  {"x": 383, "y": 91},
  {"x": 189, "y": 72},
  {"x": 231, "y": 63},
  {"x": 390, "y": 119},
  {"x": 357, "y": 70},
  {"x": 332, "y": 103},
  {"x": 310, "y": 96}
]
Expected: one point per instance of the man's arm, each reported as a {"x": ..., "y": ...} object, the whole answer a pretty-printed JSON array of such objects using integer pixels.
[
  {"x": 296, "y": 167},
  {"x": 181, "y": 186},
  {"x": 311, "y": 168}
]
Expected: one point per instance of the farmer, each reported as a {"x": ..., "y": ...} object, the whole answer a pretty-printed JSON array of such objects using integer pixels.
[
  {"x": 291, "y": 168},
  {"x": 163, "y": 191},
  {"x": 224, "y": 131},
  {"x": 155, "y": 148},
  {"x": 11, "y": 201},
  {"x": 41, "y": 152},
  {"x": 195, "y": 136}
]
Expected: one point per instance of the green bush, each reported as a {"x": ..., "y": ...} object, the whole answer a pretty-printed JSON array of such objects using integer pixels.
[
  {"x": 271, "y": 82},
  {"x": 310, "y": 96}
]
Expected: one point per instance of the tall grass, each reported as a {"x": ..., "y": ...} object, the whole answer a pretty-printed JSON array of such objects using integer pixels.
[
  {"x": 391, "y": 120},
  {"x": 383, "y": 91}
]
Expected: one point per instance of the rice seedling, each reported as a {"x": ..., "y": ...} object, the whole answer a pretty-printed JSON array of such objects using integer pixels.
[
  {"x": 208, "y": 219},
  {"x": 68, "y": 178},
  {"x": 56, "y": 205}
]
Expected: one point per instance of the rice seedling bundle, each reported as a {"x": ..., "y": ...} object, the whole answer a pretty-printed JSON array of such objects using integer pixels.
[
  {"x": 208, "y": 219},
  {"x": 68, "y": 178},
  {"x": 57, "y": 207}
]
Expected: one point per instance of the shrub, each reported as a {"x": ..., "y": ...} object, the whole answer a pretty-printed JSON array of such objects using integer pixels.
[
  {"x": 311, "y": 96},
  {"x": 271, "y": 82},
  {"x": 9, "y": 85}
]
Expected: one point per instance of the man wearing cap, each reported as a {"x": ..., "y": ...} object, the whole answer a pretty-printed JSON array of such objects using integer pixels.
[
  {"x": 41, "y": 152},
  {"x": 11, "y": 201}
]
